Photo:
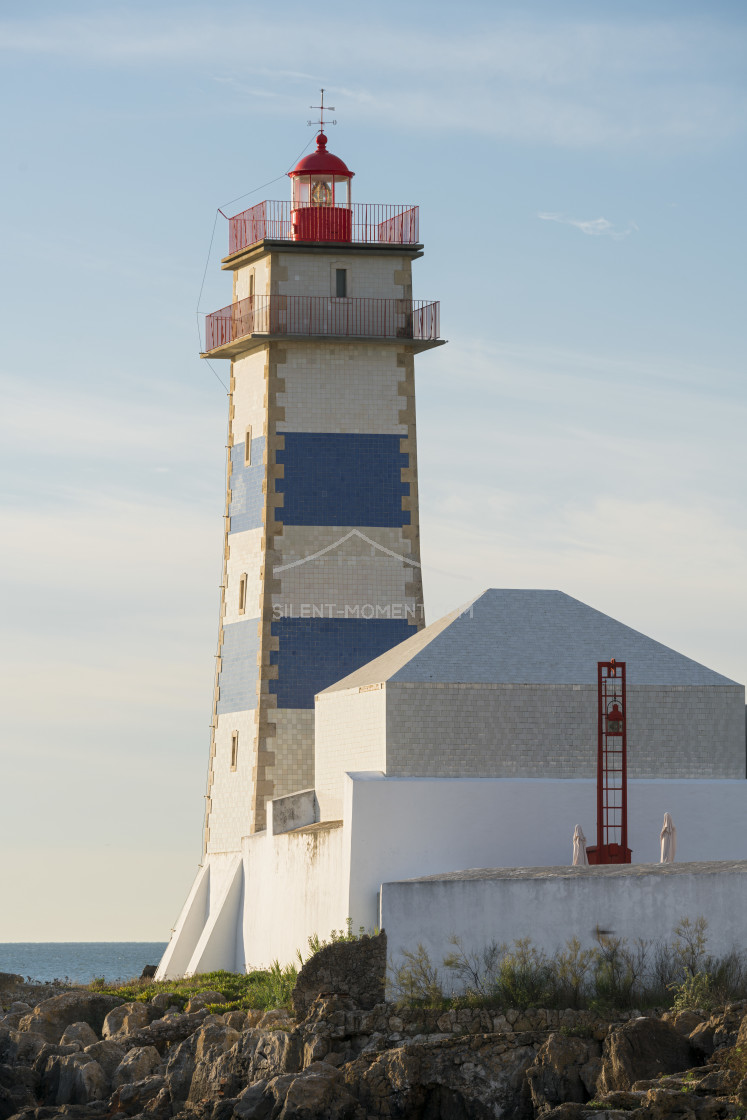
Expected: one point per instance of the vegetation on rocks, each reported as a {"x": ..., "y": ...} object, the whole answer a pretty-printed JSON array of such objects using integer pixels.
[{"x": 263, "y": 989}]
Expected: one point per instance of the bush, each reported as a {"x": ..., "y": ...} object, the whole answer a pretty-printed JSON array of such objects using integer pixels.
[{"x": 613, "y": 975}]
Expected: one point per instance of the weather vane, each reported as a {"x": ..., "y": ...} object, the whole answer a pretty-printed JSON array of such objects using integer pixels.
[{"x": 321, "y": 108}]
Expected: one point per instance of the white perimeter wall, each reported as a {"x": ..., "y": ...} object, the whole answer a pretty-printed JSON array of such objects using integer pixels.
[
  {"x": 403, "y": 828},
  {"x": 293, "y": 888},
  {"x": 551, "y": 910}
]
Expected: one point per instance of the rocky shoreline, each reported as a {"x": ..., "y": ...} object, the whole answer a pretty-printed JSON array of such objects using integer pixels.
[{"x": 346, "y": 1054}]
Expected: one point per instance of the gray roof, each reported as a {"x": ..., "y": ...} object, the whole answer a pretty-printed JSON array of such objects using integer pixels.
[{"x": 528, "y": 637}]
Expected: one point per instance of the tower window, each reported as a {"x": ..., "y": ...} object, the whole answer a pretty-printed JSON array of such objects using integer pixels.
[
  {"x": 242, "y": 593},
  {"x": 234, "y": 749},
  {"x": 248, "y": 448},
  {"x": 341, "y": 282}
]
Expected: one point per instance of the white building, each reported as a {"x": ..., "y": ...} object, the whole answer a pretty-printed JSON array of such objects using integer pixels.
[
  {"x": 473, "y": 745},
  {"x": 352, "y": 749}
]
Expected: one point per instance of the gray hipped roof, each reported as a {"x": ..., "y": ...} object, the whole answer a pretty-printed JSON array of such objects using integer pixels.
[{"x": 528, "y": 637}]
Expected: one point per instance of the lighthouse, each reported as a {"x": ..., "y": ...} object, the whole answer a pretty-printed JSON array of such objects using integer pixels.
[
  {"x": 360, "y": 761},
  {"x": 321, "y": 540}
]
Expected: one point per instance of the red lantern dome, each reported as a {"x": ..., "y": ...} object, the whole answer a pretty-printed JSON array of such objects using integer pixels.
[{"x": 320, "y": 209}]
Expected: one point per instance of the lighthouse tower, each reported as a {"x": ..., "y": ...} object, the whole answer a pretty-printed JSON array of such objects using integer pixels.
[{"x": 321, "y": 543}]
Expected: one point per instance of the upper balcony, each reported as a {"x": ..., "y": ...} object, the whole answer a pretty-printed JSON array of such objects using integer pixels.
[
  {"x": 358, "y": 223},
  {"x": 258, "y": 319}
]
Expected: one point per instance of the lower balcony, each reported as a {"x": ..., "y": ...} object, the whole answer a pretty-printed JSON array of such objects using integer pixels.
[{"x": 258, "y": 318}]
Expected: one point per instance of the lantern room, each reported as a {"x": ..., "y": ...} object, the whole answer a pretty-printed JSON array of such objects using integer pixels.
[{"x": 321, "y": 205}]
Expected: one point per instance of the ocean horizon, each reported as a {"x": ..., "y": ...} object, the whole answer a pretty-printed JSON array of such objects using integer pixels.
[{"x": 79, "y": 961}]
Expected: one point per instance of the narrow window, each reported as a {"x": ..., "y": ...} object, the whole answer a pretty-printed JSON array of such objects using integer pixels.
[
  {"x": 242, "y": 594},
  {"x": 341, "y": 282},
  {"x": 234, "y": 749},
  {"x": 248, "y": 448},
  {"x": 251, "y": 285}
]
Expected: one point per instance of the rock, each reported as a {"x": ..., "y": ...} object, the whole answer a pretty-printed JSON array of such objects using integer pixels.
[
  {"x": 236, "y": 1019},
  {"x": 16, "y": 1090},
  {"x": 701, "y": 1038},
  {"x": 74, "y": 1079},
  {"x": 108, "y": 1054},
  {"x": 18, "y": 1005},
  {"x": 203, "y": 999},
  {"x": 163, "y": 1000},
  {"x": 641, "y": 1049},
  {"x": 270, "y": 1019},
  {"x": 21, "y": 1047},
  {"x": 127, "y": 1018},
  {"x": 52, "y": 1016},
  {"x": 79, "y": 1033},
  {"x": 149, "y": 972},
  {"x": 180, "y": 1067},
  {"x": 137, "y": 1064},
  {"x": 253, "y": 1017},
  {"x": 555, "y": 1075},
  {"x": 133, "y": 1097},
  {"x": 475, "y": 1076},
  {"x": 355, "y": 969},
  {"x": 318, "y": 1091},
  {"x": 685, "y": 1022},
  {"x": 254, "y": 1102},
  {"x": 209, "y": 1079}
]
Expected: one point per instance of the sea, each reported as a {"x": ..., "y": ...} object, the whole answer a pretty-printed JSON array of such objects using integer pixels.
[{"x": 79, "y": 961}]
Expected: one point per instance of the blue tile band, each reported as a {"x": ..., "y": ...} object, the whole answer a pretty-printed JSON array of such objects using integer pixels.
[
  {"x": 316, "y": 652},
  {"x": 237, "y": 680},
  {"x": 245, "y": 509},
  {"x": 333, "y": 479}
]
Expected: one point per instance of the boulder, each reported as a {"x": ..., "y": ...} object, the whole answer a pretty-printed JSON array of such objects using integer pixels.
[
  {"x": 74, "y": 1079},
  {"x": 180, "y": 1067},
  {"x": 640, "y": 1050},
  {"x": 127, "y": 1018},
  {"x": 52, "y": 1016},
  {"x": 479, "y": 1077},
  {"x": 79, "y": 1033},
  {"x": 163, "y": 1000},
  {"x": 565, "y": 1069},
  {"x": 211, "y": 1077},
  {"x": 136, "y": 1065},
  {"x": 685, "y": 1022},
  {"x": 356, "y": 969},
  {"x": 318, "y": 1091},
  {"x": 132, "y": 1098},
  {"x": 108, "y": 1054},
  {"x": 202, "y": 999},
  {"x": 275, "y": 1018}
]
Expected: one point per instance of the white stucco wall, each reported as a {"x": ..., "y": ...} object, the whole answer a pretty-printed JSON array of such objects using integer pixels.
[
  {"x": 294, "y": 888},
  {"x": 551, "y": 907},
  {"x": 407, "y": 827}
]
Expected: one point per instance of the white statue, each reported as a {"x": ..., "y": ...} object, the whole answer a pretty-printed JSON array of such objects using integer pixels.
[
  {"x": 668, "y": 840},
  {"x": 580, "y": 858}
]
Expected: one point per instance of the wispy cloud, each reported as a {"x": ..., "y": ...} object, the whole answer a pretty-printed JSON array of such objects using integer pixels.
[
  {"x": 593, "y": 227},
  {"x": 571, "y": 84}
]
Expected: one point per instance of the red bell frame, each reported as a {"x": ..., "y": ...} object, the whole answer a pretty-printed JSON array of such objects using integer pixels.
[{"x": 612, "y": 766}]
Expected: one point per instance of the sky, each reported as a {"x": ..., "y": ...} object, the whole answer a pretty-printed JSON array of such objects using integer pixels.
[{"x": 580, "y": 171}]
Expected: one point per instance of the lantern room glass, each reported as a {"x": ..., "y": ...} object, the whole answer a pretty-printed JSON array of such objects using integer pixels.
[{"x": 321, "y": 190}]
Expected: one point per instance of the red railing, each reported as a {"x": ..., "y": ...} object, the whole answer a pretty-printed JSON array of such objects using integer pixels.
[
  {"x": 322, "y": 315},
  {"x": 372, "y": 223}
]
